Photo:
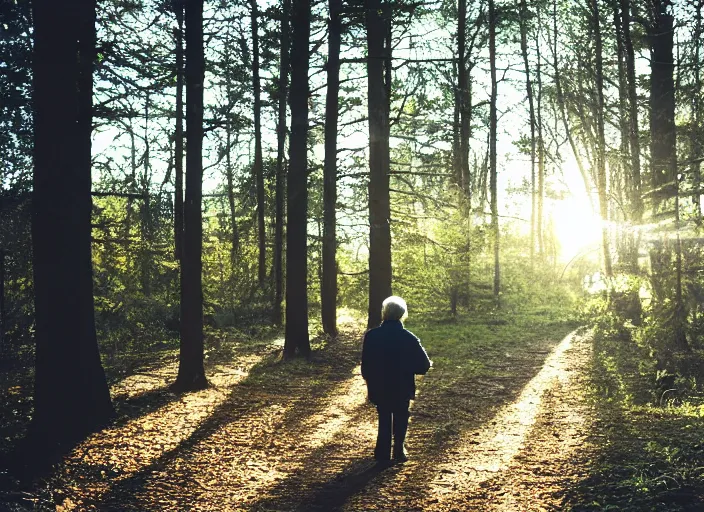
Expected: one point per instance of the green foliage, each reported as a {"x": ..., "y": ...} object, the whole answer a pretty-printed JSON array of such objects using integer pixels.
[
  {"x": 649, "y": 445},
  {"x": 352, "y": 281},
  {"x": 478, "y": 345},
  {"x": 640, "y": 315}
]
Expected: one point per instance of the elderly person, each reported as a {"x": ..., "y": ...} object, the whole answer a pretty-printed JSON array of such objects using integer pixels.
[{"x": 391, "y": 357}]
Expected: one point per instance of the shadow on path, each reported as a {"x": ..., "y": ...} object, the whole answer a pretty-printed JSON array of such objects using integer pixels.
[
  {"x": 353, "y": 480},
  {"x": 327, "y": 476},
  {"x": 128, "y": 408},
  {"x": 273, "y": 395}
]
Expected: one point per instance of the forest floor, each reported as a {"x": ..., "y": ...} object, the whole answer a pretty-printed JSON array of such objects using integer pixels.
[{"x": 512, "y": 428}]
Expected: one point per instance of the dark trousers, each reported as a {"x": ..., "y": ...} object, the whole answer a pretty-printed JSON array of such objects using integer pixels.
[{"x": 393, "y": 419}]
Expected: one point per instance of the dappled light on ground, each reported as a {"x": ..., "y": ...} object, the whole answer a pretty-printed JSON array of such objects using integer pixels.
[
  {"x": 272, "y": 435},
  {"x": 538, "y": 437},
  {"x": 492, "y": 448},
  {"x": 349, "y": 318},
  {"x": 152, "y": 421},
  {"x": 340, "y": 408}
]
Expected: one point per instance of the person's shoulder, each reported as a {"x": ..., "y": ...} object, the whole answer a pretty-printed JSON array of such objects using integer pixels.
[
  {"x": 410, "y": 335},
  {"x": 372, "y": 333}
]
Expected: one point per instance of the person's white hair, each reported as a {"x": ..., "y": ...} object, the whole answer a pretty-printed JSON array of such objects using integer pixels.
[{"x": 394, "y": 308}]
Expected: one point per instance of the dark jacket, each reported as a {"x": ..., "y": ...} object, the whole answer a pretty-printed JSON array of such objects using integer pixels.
[{"x": 391, "y": 356}]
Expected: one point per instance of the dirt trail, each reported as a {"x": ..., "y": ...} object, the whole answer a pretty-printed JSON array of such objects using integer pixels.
[
  {"x": 504, "y": 443},
  {"x": 534, "y": 449}
]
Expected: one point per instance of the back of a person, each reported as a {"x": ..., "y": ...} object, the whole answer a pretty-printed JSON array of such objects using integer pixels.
[
  {"x": 391, "y": 357},
  {"x": 391, "y": 373}
]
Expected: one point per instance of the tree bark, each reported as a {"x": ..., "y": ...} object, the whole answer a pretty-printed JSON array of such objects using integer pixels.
[
  {"x": 629, "y": 193},
  {"x": 280, "y": 171},
  {"x": 696, "y": 129},
  {"x": 178, "y": 136},
  {"x": 229, "y": 171},
  {"x": 297, "y": 340},
  {"x": 492, "y": 151},
  {"x": 230, "y": 176},
  {"x": 71, "y": 394},
  {"x": 258, "y": 163},
  {"x": 623, "y": 121},
  {"x": 540, "y": 144},
  {"x": 634, "y": 140},
  {"x": 145, "y": 257},
  {"x": 328, "y": 286},
  {"x": 663, "y": 144},
  {"x": 601, "y": 141},
  {"x": 3, "y": 320},
  {"x": 531, "y": 113},
  {"x": 463, "y": 86},
  {"x": 662, "y": 98},
  {"x": 191, "y": 373},
  {"x": 379, "y": 163},
  {"x": 132, "y": 190},
  {"x": 456, "y": 152}
]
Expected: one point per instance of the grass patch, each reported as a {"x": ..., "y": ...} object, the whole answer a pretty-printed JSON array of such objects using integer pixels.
[
  {"x": 482, "y": 345},
  {"x": 649, "y": 453}
]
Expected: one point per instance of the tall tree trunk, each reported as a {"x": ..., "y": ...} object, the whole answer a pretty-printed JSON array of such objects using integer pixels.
[
  {"x": 463, "y": 113},
  {"x": 328, "y": 287},
  {"x": 230, "y": 176},
  {"x": 297, "y": 340},
  {"x": 663, "y": 145},
  {"x": 178, "y": 143},
  {"x": 628, "y": 193},
  {"x": 71, "y": 394},
  {"x": 229, "y": 171},
  {"x": 531, "y": 113},
  {"x": 601, "y": 141},
  {"x": 695, "y": 133},
  {"x": 623, "y": 121},
  {"x": 492, "y": 150},
  {"x": 456, "y": 152},
  {"x": 145, "y": 212},
  {"x": 634, "y": 140},
  {"x": 662, "y": 98},
  {"x": 258, "y": 164},
  {"x": 540, "y": 142},
  {"x": 463, "y": 86},
  {"x": 280, "y": 172},
  {"x": 379, "y": 163},
  {"x": 191, "y": 373},
  {"x": 131, "y": 188},
  {"x": 483, "y": 181},
  {"x": 3, "y": 320}
]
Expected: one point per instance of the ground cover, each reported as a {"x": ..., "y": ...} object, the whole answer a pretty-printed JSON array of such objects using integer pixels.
[
  {"x": 499, "y": 423},
  {"x": 647, "y": 439}
]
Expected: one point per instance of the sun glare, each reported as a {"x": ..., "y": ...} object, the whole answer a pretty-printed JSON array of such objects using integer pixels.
[{"x": 577, "y": 227}]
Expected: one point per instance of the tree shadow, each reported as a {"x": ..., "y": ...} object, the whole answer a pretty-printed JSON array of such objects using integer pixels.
[
  {"x": 303, "y": 489},
  {"x": 27, "y": 460},
  {"x": 270, "y": 383},
  {"x": 326, "y": 480},
  {"x": 643, "y": 458},
  {"x": 438, "y": 418},
  {"x": 350, "y": 481},
  {"x": 128, "y": 408}
]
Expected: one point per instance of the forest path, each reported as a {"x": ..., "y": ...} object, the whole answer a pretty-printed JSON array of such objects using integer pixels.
[{"x": 299, "y": 436}]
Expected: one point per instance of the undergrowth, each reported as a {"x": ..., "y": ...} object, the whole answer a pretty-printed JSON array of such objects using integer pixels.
[{"x": 649, "y": 429}]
